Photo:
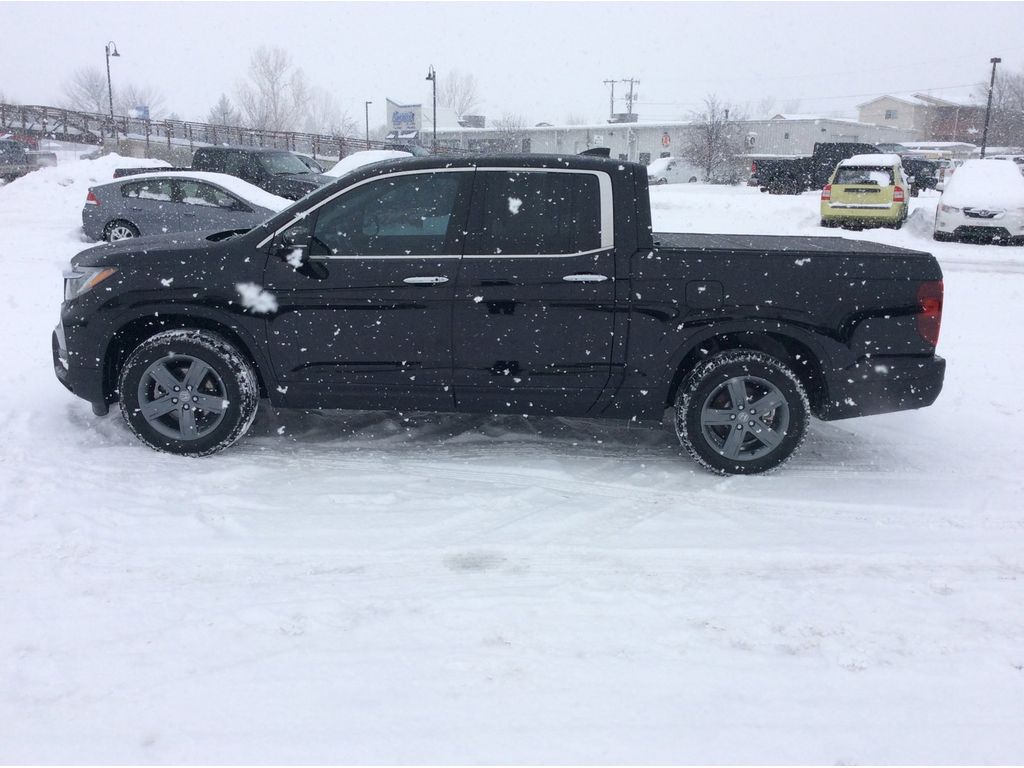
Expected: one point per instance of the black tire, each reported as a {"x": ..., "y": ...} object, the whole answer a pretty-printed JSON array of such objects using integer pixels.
[
  {"x": 126, "y": 229},
  {"x": 764, "y": 378},
  {"x": 230, "y": 380}
]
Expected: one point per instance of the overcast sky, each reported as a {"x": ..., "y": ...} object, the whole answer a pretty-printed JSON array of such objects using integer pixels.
[{"x": 543, "y": 60}]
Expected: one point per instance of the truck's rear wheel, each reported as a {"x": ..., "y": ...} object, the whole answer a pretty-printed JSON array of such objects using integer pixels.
[
  {"x": 741, "y": 413},
  {"x": 188, "y": 392}
]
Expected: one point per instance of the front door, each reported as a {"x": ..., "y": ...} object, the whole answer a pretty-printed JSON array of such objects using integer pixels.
[
  {"x": 367, "y": 321},
  {"x": 534, "y": 302}
]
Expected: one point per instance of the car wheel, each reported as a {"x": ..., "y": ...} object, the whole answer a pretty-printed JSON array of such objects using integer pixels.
[
  {"x": 741, "y": 413},
  {"x": 188, "y": 392},
  {"x": 119, "y": 230},
  {"x": 693, "y": 180}
]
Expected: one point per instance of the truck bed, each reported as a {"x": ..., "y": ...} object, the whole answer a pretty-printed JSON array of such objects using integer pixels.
[{"x": 838, "y": 246}]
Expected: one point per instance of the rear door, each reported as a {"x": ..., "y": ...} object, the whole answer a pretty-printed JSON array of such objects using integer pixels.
[
  {"x": 533, "y": 308},
  {"x": 149, "y": 205}
]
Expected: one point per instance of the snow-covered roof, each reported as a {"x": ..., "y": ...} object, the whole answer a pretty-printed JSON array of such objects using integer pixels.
[
  {"x": 936, "y": 144},
  {"x": 917, "y": 100},
  {"x": 236, "y": 186},
  {"x": 878, "y": 160},
  {"x": 359, "y": 159}
]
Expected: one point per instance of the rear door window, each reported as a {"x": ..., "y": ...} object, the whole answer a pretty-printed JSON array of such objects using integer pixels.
[
  {"x": 536, "y": 213},
  {"x": 881, "y": 176},
  {"x": 151, "y": 189}
]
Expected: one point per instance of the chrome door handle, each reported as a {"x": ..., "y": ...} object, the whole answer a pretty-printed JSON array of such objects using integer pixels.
[
  {"x": 585, "y": 278},
  {"x": 425, "y": 280}
]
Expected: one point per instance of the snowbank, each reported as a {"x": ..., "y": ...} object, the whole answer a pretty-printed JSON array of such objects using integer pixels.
[{"x": 359, "y": 159}]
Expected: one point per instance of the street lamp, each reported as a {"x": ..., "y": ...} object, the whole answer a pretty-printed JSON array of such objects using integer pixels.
[
  {"x": 988, "y": 107},
  {"x": 366, "y": 106},
  {"x": 432, "y": 77},
  {"x": 111, "y": 50}
]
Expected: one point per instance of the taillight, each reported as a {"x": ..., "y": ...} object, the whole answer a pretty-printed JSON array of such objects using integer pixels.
[
  {"x": 753, "y": 167},
  {"x": 91, "y": 198},
  {"x": 897, "y": 195},
  {"x": 826, "y": 193},
  {"x": 929, "y": 312}
]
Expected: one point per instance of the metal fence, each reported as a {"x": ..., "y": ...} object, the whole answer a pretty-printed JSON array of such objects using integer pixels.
[{"x": 160, "y": 137}]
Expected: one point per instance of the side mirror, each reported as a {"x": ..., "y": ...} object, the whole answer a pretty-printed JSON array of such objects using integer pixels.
[{"x": 294, "y": 244}]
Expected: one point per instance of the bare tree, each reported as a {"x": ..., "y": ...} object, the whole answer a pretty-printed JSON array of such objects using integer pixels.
[
  {"x": 766, "y": 107},
  {"x": 713, "y": 142},
  {"x": 576, "y": 118},
  {"x": 276, "y": 95},
  {"x": 791, "y": 106},
  {"x": 510, "y": 132},
  {"x": 86, "y": 90},
  {"x": 1006, "y": 126},
  {"x": 326, "y": 116},
  {"x": 224, "y": 113},
  {"x": 458, "y": 92},
  {"x": 130, "y": 96}
]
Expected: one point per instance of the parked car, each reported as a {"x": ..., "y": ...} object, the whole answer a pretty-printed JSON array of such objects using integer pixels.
[
  {"x": 276, "y": 171},
  {"x": 793, "y": 175},
  {"x": 866, "y": 191},
  {"x": 14, "y": 160},
  {"x": 518, "y": 284},
  {"x": 672, "y": 170},
  {"x": 172, "y": 202},
  {"x": 982, "y": 202},
  {"x": 356, "y": 160},
  {"x": 309, "y": 162}
]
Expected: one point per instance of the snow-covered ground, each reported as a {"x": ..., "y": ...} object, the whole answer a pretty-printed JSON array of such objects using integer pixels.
[{"x": 369, "y": 587}]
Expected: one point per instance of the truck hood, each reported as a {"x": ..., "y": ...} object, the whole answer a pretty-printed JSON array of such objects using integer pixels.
[{"x": 124, "y": 252}]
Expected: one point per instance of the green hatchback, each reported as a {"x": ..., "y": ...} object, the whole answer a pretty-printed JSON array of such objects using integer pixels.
[{"x": 867, "y": 191}]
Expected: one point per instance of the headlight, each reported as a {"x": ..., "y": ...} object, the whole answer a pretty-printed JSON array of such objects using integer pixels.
[
  {"x": 948, "y": 208},
  {"x": 82, "y": 279}
]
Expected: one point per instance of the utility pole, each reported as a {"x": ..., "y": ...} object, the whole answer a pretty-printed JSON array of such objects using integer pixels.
[
  {"x": 988, "y": 107},
  {"x": 366, "y": 106},
  {"x": 111, "y": 50},
  {"x": 630, "y": 97},
  {"x": 611, "y": 99},
  {"x": 432, "y": 77}
]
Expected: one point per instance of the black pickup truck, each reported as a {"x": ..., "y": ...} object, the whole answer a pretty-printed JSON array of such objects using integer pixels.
[
  {"x": 793, "y": 175},
  {"x": 277, "y": 171},
  {"x": 521, "y": 284}
]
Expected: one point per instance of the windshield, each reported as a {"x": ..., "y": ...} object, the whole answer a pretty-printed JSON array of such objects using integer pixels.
[
  {"x": 280, "y": 163},
  {"x": 881, "y": 177}
]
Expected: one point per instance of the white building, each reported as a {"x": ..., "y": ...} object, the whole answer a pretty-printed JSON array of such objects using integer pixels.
[{"x": 642, "y": 142}]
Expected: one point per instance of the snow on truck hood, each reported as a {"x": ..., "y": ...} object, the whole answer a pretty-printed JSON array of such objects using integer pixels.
[
  {"x": 248, "y": 192},
  {"x": 986, "y": 183}
]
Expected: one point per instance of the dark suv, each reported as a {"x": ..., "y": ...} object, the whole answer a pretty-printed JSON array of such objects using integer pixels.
[{"x": 276, "y": 170}]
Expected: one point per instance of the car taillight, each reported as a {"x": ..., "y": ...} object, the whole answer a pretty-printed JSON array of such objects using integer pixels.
[
  {"x": 897, "y": 195},
  {"x": 929, "y": 312},
  {"x": 826, "y": 193},
  {"x": 753, "y": 167},
  {"x": 91, "y": 198}
]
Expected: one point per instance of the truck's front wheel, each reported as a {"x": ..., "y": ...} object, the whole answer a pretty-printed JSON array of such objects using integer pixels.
[
  {"x": 188, "y": 392},
  {"x": 741, "y": 413}
]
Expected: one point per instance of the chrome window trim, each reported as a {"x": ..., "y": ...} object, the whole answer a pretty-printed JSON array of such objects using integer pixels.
[{"x": 604, "y": 181}]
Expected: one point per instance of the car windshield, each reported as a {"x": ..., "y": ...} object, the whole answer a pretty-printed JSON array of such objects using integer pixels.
[
  {"x": 282, "y": 163},
  {"x": 862, "y": 174}
]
